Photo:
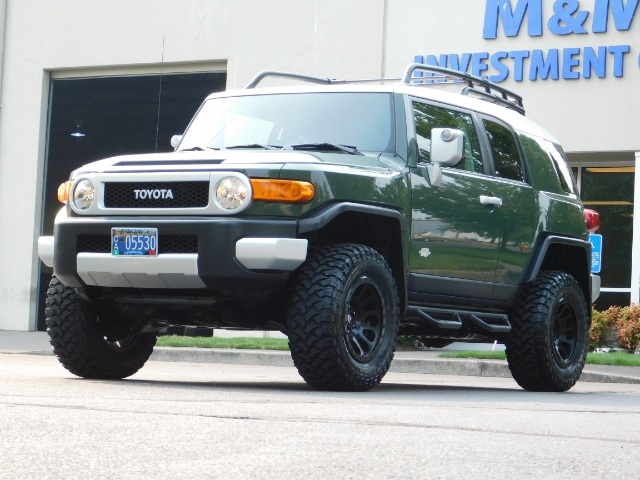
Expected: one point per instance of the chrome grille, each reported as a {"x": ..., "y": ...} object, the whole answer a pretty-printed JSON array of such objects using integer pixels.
[{"x": 184, "y": 194}]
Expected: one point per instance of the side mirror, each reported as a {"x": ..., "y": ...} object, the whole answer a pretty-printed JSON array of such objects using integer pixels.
[
  {"x": 175, "y": 141},
  {"x": 447, "y": 148}
]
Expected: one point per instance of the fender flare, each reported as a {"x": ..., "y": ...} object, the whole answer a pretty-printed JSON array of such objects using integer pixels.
[
  {"x": 324, "y": 215},
  {"x": 540, "y": 254},
  {"x": 543, "y": 247}
]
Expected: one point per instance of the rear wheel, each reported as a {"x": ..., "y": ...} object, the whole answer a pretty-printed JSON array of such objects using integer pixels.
[
  {"x": 343, "y": 318},
  {"x": 90, "y": 344},
  {"x": 548, "y": 345}
]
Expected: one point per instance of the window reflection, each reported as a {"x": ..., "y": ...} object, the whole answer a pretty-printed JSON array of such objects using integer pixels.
[
  {"x": 428, "y": 117},
  {"x": 505, "y": 151}
]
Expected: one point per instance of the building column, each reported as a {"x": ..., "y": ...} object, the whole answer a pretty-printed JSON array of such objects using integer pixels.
[
  {"x": 3, "y": 26},
  {"x": 635, "y": 249}
]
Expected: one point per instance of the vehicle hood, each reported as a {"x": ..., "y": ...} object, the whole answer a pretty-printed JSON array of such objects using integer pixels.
[{"x": 227, "y": 160}]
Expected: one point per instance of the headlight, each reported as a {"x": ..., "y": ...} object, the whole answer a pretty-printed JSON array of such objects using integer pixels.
[
  {"x": 83, "y": 194},
  {"x": 231, "y": 193}
]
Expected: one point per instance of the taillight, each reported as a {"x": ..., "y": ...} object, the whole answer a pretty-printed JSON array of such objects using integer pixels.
[{"x": 593, "y": 220}]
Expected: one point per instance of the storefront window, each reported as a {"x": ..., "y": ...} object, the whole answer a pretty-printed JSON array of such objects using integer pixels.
[
  {"x": 609, "y": 191},
  {"x": 100, "y": 117},
  {"x": 608, "y": 299}
]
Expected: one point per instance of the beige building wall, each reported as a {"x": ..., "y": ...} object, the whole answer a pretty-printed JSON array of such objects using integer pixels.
[
  {"x": 100, "y": 37},
  {"x": 335, "y": 38}
]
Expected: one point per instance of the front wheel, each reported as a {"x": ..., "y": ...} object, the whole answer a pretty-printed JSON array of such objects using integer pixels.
[
  {"x": 92, "y": 344},
  {"x": 342, "y": 318},
  {"x": 548, "y": 344}
]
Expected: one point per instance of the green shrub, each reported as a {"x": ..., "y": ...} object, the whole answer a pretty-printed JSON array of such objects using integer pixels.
[
  {"x": 628, "y": 326},
  {"x": 616, "y": 327},
  {"x": 603, "y": 325}
]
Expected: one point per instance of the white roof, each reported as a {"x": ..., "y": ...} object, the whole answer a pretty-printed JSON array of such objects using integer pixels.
[{"x": 434, "y": 92}]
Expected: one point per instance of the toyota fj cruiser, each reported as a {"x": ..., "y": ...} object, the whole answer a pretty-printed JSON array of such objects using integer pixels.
[{"x": 342, "y": 215}]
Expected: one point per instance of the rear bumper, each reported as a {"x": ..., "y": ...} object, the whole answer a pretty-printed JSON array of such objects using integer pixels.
[
  {"x": 232, "y": 253},
  {"x": 595, "y": 288}
]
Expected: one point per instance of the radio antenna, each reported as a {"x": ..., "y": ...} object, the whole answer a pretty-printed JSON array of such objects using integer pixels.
[{"x": 159, "y": 95}]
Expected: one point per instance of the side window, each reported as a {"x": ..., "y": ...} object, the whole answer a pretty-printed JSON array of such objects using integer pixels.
[
  {"x": 427, "y": 117},
  {"x": 505, "y": 151},
  {"x": 562, "y": 165}
]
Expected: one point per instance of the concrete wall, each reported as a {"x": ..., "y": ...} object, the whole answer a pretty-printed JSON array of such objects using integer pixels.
[{"x": 345, "y": 38}]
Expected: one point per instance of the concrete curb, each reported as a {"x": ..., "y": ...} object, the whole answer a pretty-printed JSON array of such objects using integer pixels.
[
  {"x": 438, "y": 366},
  {"x": 266, "y": 358},
  {"x": 435, "y": 366},
  {"x": 404, "y": 362},
  {"x": 599, "y": 377}
]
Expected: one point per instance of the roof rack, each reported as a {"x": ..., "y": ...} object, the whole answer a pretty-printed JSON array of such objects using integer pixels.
[
  {"x": 298, "y": 76},
  {"x": 475, "y": 85},
  {"x": 309, "y": 78}
]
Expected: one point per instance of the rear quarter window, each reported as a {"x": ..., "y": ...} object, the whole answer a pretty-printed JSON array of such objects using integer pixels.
[
  {"x": 541, "y": 166},
  {"x": 562, "y": 166}
]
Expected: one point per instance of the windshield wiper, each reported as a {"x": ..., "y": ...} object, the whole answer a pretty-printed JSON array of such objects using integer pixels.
[
  {"x": 255, "y": 145},
  {"x": 198, "y": 149},
  {"x": 327, "y": 146}
]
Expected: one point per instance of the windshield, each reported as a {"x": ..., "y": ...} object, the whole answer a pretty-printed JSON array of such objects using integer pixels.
[{"x": 359, "y": 120}]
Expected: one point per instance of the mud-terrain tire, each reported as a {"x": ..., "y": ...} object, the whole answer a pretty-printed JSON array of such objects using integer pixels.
[
  {"x": 86, "y": 347},
  {"x": 342, "y": 318},
  {"x": 548, "y": 344}
]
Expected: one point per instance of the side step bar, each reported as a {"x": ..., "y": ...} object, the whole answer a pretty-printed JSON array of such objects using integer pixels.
[{"x": 455, "y": 319}]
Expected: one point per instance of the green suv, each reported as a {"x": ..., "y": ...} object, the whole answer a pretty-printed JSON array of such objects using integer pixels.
[{"x": 341, "y": 214}]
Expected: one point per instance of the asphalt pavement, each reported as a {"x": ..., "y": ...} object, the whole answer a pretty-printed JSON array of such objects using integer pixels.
[{"x": 421, "y": 361}]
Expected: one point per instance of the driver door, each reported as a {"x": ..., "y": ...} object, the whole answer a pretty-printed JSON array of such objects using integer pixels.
[{"x": 456, "y": 228}]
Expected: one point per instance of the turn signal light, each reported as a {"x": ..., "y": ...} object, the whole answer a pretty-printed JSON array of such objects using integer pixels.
[
  {"x": 593, "y": 220},
  {"x": 64, "y": 192},
  {"x": 289, "y": 191}
]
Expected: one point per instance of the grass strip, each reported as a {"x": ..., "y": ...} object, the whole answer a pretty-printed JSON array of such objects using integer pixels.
[
  {"x": 621, "y": 359},
  {"x": 259, "y": 343},
  {"x": 247, "y": 343},
  {"x": 479, "y": 354}
]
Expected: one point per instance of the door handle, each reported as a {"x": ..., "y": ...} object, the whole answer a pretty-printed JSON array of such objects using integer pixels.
[{"x": 494, "y": 201}]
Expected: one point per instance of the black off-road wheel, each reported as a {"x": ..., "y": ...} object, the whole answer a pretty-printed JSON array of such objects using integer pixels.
[
  {"x": 89, "y": 344},
  {"x": 547, "y": 347},
  {"x": 342, "y": 318}
]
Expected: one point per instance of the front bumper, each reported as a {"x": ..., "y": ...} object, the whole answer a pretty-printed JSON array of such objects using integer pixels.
[{"x": 231, "y": 253}]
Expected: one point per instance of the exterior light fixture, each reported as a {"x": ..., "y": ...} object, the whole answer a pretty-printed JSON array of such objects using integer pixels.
[{"x": 78, "y": 133}]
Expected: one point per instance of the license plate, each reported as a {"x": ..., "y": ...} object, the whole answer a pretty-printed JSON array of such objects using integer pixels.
[{"x": 134, "y": 241}]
